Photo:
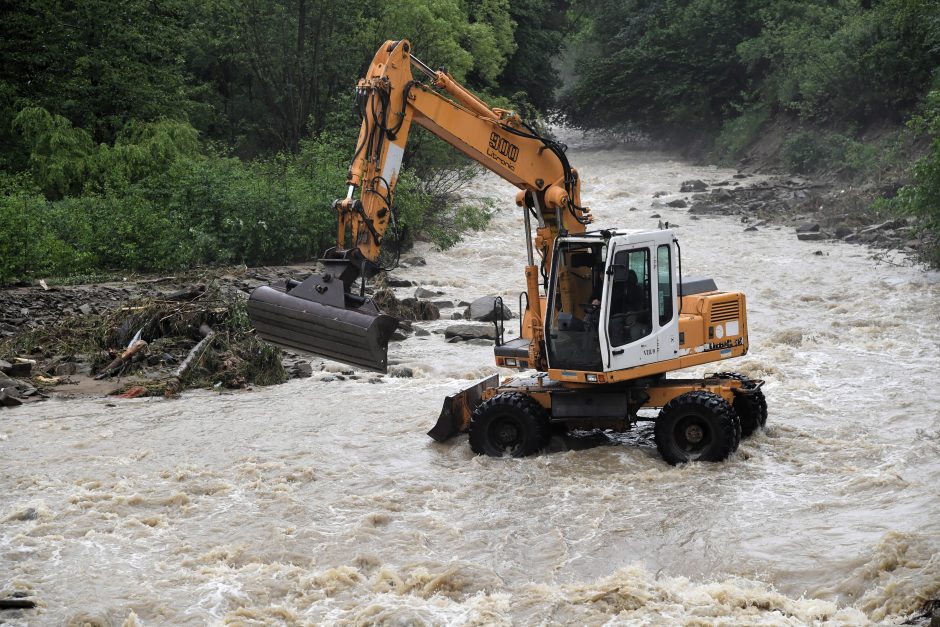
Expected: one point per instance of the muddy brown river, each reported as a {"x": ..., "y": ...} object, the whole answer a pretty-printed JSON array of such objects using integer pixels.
[{"x": 322, "y": 501}]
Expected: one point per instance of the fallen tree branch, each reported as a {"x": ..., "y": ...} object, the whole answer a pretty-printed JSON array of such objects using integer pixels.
[
  {"x": 115, "y": 365},
  {"x": 197, "y": 350}
]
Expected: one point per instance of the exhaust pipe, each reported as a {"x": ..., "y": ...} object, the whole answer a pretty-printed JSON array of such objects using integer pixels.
[{"x": 320, "y": 316}]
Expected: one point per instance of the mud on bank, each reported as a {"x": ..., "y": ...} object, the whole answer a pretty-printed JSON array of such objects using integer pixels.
[
  {"x": 149, "y": 336},
  {"x": 157, "y": 336}
]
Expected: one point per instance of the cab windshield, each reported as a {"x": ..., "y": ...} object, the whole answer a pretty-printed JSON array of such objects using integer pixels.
[{"x": 574, "y": 299}]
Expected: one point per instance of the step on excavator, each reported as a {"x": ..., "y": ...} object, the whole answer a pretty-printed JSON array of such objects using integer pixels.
[{"x": 606, "y": 314}]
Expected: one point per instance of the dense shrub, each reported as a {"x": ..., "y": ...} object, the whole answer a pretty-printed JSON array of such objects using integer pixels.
[
  {"x": 155, "y": 201},
  {"x": 811, "y": 151},
  {"x": 738, "y": 133},
  {"x": 922, "y": 197}
]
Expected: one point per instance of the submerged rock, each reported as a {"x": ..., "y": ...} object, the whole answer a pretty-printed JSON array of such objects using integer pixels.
[
  {"x": 470, "y": 332},
  {"x": 722, "y": 195},
  {"x": 396, "y": 282},
  {"x": 425, "y": 293}
]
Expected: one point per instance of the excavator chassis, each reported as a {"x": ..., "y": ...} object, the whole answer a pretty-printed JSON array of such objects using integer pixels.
[{"x": 579, "y": 406}]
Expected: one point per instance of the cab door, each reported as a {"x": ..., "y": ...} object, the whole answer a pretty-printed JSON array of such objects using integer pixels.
[{"x": 640, "y": 304}]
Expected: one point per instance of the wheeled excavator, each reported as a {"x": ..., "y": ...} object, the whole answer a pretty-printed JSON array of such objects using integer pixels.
[{"x": 607, "y": 313}]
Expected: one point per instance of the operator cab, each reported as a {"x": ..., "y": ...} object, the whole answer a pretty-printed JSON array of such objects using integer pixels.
[{"x": 612, "y": 301}]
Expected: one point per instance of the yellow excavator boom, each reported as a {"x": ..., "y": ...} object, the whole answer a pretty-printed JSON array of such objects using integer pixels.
[{"x": 322, "y": 315}]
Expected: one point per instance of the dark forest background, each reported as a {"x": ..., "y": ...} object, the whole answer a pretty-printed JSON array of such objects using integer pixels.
[{"x": 142, "y": 135}]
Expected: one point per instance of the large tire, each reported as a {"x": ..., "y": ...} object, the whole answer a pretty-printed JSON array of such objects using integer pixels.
[
  {"x": 512, "y": 423},
  {"x": 750, "y": 408},
  {"x": 697, "y": 426}
]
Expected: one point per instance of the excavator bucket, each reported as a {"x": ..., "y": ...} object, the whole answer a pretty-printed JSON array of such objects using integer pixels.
[{"x": 319, "y": 316}]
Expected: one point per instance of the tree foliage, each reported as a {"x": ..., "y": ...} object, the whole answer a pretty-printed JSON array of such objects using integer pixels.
[
  {"x": 145, "y": 135},
  {"x": 687, "y": 67},
  {"x": 921, "y": 198}
]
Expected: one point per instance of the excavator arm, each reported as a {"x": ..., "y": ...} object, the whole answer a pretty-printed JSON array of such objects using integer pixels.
[{"x": 322, "y": 314}]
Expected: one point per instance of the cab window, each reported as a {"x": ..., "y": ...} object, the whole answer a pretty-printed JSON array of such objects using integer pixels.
[
  {"x": 664, "y": 274},
  {"x": 576, "y": 288},
  {"x": 630, "y": 303}
]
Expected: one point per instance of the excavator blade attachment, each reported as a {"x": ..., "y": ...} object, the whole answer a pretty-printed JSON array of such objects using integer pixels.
[
  {"x": 458, "y": 407},
  {"x": 317, "y": 316}
]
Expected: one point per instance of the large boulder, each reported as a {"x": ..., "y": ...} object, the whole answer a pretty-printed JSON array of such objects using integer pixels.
[
  {"x": 722, "y": 195},
  {"x": 424, "y": 293},
  {"x": 20, "y": 369},
  {"x": 693, "y": 186},
  {"x": 421, "y": 309},
  {"x": 483, "y": 309},
  {"x": 7, "y": 399},
  {"x": 9, "y": 383},
  {"x": 470, "y": 331},
  {"x": 396, "y": 282}
]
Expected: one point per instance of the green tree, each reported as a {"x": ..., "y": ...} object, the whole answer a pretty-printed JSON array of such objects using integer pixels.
[
  {"x": 666, "y": 66},
  {"x": 97, "y": 63},
  {"x": 541, "y": 28},
  {"x": 921, "y": 198}
]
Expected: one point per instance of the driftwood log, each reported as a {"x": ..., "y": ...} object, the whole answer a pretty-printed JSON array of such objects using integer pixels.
[{"x": 208, "y": 334}]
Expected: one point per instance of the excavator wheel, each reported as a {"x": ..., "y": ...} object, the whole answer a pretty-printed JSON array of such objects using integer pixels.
[
  {"x": 750, "y": 408},
  {"x": 509, "y": 423},
  {"x": 697, "y": 426}
]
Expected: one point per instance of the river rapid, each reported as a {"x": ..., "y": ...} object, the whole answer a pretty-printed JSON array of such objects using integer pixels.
[{"x": 322, "y": 501}]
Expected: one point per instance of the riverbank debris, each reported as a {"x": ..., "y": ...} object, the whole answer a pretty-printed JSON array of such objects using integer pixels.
[{"x": 195, "y": 337}]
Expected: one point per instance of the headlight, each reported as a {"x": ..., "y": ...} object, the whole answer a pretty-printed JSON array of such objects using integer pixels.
[
  {"x": 592, "y": 378},
  {"x": 510, "y": 362}
]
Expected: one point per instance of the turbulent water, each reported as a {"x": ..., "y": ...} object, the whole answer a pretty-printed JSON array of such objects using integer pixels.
[{"x": 323, "y": 501}]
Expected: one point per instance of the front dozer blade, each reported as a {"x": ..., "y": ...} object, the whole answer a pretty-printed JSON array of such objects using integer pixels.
[
  {"x": 317, "y": 316},
  {"x": 458, "y": 407}
]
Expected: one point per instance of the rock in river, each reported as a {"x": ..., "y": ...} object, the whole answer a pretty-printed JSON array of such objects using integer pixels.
[
  {"x": 471, "y": 331},
  {"x": 693, "y": 186},
  {"x": 483, "y": 309}
]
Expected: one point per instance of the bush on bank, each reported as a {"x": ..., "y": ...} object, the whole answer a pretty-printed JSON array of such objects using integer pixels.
[
  {"x": 921, "y": 198},
  {"x": 156, "y": 200}
]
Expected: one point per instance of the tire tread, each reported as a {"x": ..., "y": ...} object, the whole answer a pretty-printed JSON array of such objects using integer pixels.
[{"x": 726, "y": 424}]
